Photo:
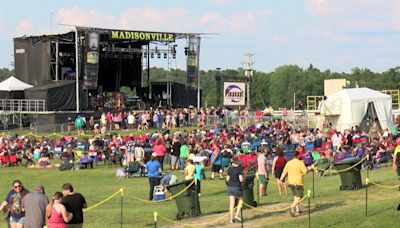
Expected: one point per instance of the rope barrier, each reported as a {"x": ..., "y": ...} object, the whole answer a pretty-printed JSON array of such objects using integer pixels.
[
  {"x": 103, "y": 201},
  {"x": 344, "y": 170},
  {"x": 197, "y": 224},
  {"x": 381, "y": 185},
  {"x": 166, "y": 199},
  {"x": 278, "y": 210}
]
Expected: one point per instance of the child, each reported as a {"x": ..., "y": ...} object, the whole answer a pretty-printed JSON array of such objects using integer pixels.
[{"x": 199, "y": 173}]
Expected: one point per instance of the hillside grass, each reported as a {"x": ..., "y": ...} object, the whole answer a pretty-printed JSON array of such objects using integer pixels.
[{"x": 330, "y": 207}]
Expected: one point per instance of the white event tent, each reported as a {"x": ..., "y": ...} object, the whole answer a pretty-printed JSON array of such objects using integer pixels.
[
  {"x": 348, "y": 107},
  {"x": 13, "y": 84}
]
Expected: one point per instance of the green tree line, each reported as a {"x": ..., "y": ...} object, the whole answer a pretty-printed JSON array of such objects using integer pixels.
[{"x": 275, "y": 88}]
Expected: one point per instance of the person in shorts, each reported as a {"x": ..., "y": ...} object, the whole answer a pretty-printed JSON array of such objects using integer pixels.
[
  {"x": 262, "y": 173},
  {"x": 295, "y": 170},
  {"x": 14, "y": 198},
  {"x": 234, "y": 181}
]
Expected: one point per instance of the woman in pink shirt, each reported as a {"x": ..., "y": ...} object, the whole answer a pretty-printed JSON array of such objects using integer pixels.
[
  {"x": 56, "y": 214},
  {"x": 160, "y": 150}
]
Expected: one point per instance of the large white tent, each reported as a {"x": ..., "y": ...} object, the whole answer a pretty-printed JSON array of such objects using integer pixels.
[
  {"x": 350, "y": 106},
  {"x": 13, "y": 84}
]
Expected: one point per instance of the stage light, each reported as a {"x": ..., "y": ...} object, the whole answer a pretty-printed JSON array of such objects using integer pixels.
[
  {"x": 173, "y": 55},
  {"x": 158, "y": 55},
  {"x": 186, "y": 50},
  {"x": 165, "y": 55},
  {"x": 145, "y": 55},
  {"x": 152, "y": 55}
]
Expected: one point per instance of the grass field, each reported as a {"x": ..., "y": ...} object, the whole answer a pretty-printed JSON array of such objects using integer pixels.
[{"x": 330, "y": 207}]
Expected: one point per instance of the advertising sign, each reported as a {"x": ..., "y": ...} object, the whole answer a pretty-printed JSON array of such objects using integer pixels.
[{"x": 234, "y": 93}]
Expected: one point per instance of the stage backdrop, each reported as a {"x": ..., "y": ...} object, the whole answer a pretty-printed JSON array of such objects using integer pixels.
[{"x": 234, "y": 93}]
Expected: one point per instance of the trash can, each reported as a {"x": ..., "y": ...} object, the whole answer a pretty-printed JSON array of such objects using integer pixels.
[
  {"x": 351, "y": 179},
  {"x": 187, "y": 202},
  {"x": 248, "y": 193}
]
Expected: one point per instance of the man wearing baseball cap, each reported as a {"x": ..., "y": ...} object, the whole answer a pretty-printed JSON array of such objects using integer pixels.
[{"x": 34, "y": 204}]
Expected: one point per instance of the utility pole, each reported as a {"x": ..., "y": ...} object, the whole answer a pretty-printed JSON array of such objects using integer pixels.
[{"x": 248, "y": 71}]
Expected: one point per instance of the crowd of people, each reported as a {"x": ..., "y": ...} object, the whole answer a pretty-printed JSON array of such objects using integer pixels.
[
  {"x": 276, "y": 147},
  {"x": 25, "y": 209},
  {"x": 168, "y": 118}
]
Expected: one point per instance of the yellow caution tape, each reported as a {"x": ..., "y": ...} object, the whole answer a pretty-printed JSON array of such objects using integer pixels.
[
  {"x": 103, "y": 201},
  {"x": 384, "y": 186},
  {"x": 278, "y": 210},
  {"x": 166, "y": 199},
  {"x": 196, "y": 224},
  {"x": 346, "y": 169}
]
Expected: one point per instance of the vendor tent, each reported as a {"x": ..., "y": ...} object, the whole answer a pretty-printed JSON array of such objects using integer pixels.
[
  {"x": 350, "y": 107},
  {"x": 13, "y": 88}
]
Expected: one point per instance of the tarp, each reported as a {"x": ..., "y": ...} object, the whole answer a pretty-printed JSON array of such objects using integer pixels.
[
  {"x": 351, "y": 106},
  {"x": 13, "y": 84},
  {"x": 59, "y": 95}
]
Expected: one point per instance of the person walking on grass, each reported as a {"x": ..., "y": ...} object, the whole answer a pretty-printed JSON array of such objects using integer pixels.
[
  {"x": 278, "y": 164},
  {"x": 234, "y": 181},
  {"x": 295, "y": 170},
  {"x": 74, "y": 203},
  {"x": 262, "y": 173}
]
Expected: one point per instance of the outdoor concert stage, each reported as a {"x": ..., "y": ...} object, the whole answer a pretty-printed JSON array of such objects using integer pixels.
[{"x": 84, "y": 69}]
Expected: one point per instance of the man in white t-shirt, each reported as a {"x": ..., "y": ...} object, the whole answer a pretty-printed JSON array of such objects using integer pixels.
[{"x": 131, "y": 120}]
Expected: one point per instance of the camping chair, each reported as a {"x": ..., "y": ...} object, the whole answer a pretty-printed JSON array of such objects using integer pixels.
[
  {"x": 322, "y": 164},
  {"x": 133, "y": 170}
]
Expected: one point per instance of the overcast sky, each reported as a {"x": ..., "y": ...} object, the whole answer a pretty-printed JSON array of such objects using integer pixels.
[{"x": 331, "y": 34}]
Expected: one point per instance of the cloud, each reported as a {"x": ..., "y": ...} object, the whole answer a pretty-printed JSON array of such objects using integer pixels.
[
  {"x": 79, "y": 16},
  {"x": 2, "y": 32},
  {"x": 173, "y": 19},
  {"x": 222, "y": 2},
  {"x": 319, "y": 7},
  {"x": 24, "y": 27}
]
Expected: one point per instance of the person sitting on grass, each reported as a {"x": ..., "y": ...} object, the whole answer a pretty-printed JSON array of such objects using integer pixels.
[{"x": 44, "y": 162}]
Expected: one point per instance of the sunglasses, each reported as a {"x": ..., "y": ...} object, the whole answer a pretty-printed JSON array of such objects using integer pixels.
[{"x": 17, "y": 186}]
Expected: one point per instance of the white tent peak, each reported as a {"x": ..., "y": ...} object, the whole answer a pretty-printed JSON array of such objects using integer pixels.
[
  {"x": 348, "y": 107},
  {"x": 13, "y": 84},
  {"x": 359, "y": 94}
]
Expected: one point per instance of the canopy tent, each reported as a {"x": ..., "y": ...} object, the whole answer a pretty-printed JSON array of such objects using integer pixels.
[
  {"x": 349, "y": 107},
  {"x": 13, "y": 84},
  {"x": 13, "y": 88}
]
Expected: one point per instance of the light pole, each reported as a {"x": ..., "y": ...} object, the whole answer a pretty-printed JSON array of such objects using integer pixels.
[
  {"x": 294, "y": 99},
  {"x": 249, "y": 75},
  {"x": 51, "y": 23},
  {"x": 218, "y": 90}
]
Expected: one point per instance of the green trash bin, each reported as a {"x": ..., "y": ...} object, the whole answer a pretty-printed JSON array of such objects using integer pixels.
[
  {"x": 248, "y": 193},
  {"x": 187, "y": 202},
  {"x": 351, "y": 179}
]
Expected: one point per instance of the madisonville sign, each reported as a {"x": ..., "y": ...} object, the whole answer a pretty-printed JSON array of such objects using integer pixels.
[{"x": 136, "y": 35}]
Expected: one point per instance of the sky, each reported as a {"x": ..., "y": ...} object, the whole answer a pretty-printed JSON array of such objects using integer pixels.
[{"x": 330, "y": 34}]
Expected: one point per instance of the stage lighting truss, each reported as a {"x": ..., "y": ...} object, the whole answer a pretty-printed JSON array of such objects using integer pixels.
[{"x": 142, "y": 53}]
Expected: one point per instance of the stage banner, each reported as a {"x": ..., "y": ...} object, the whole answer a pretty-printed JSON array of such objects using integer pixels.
[
  {"x": 91, "y": 56},
  {"x": 192, "y": 61},
  {"x": 234, "y": 93}
]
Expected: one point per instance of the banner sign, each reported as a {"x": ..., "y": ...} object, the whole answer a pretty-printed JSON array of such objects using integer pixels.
[
  {"x": 234, "y": 93},
  {"x": 145, "y": 36},
  {"x": 91, "y": 56},
  {"x": 192, "y": 62}
]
